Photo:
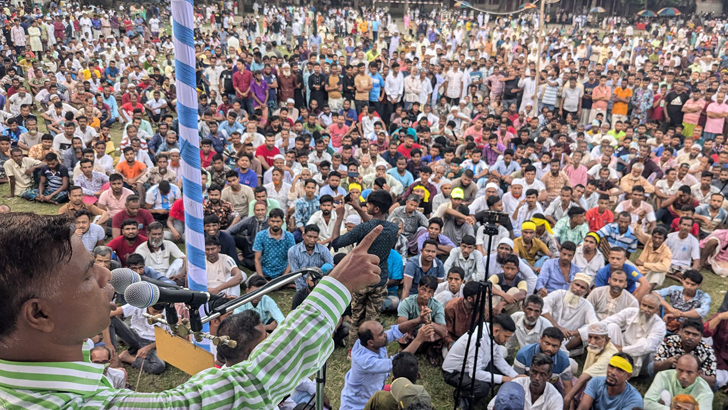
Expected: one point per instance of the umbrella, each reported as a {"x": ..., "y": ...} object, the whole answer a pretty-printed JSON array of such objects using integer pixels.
[
  {"x": 597, "y": 10},
  {"x": 525, "y": 6},
  {"x": 646, "y": 13},
  {"x": 669, "y": 12},
  {"x": 462, "y": 4}
]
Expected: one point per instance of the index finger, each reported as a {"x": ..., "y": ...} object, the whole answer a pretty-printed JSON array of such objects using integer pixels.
[{"x": 365, "y": 243}]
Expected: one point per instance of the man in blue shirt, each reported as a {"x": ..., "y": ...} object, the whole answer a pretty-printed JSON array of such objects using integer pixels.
[
  {"x": 549, "y": 344},
  {"x": 552, "y": 276},
  {"x": 618, "y": 234},
  {"x": 271, "y": 247},
  {"x": 396, "y": 273},
  {"x": 270, "y": 314},
  {"x": 426, "y": 264},
  {"x": 110, "y": 100},
  {"x": 617, "y": 259},
  {"x": 375, "y": 94},
  {"x": 612, "y": 391},
  {"x": 333, "y": 188},
  {"x": 111, "y": 72},
  {"x": 309, "y": 253},
  {"x": 370, "y": 362}
]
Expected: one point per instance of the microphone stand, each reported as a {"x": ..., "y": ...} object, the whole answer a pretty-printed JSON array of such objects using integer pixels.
[
  {"x": 485, "y": 293},
  {"x": 274, "y": 284},
  {"x": 320, "y": 382}
]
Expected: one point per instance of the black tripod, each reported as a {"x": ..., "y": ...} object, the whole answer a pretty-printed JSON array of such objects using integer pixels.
[{"x": 485, "y": 292}]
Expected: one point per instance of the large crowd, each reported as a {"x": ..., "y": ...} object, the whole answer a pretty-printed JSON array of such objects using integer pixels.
[{"x": 578, "y": 190}]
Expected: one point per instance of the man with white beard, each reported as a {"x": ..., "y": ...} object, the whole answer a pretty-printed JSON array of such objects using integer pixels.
[
  {"x": 497, "y": 258},
  {"x": 567, "y": 309},
  {"x": 157, "y": 251},
  {"x": 637, "y": 331},
  {"x": 599, "y": 351}
]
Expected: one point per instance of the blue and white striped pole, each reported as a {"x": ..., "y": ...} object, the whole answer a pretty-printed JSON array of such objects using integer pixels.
[{"x": 183, "y": 23}]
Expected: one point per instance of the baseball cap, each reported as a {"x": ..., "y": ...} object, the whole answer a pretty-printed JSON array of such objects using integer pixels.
[
  {"x": 457, "y": 193},
  {"x": 407, "y": 393}
]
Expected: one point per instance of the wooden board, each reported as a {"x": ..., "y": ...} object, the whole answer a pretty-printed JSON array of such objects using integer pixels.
[{"x": 182, "y": 354}]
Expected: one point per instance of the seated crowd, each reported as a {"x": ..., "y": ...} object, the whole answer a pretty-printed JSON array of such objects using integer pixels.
[{"x": 576, "y": 230}]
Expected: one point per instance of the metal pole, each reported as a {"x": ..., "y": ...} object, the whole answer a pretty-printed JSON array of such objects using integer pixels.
[
  {"x": 538, "y": 56},
  {"x": 320, "y": 380}
]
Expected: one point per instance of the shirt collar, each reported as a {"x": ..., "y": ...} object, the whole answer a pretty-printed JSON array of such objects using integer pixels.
[{"x": 81, "y": 378}]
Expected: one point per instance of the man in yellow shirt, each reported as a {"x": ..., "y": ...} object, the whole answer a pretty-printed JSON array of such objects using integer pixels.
[
  {"x": 373, "y": 53},
  {"x": 527, "y": 246}
]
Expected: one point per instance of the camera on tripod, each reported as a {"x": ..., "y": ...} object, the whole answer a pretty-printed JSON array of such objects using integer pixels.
[
  {"x": 491, "y": 218},
  {"x": 495, "y": 217}
]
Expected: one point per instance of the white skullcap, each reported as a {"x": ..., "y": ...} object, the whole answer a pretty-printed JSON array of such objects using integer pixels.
[
  {"x": 584, "y": 278},
  {"x": 353, "y": 219},
  {"x": 598, "y": 329},
  {"x": 506, "y": 241}
]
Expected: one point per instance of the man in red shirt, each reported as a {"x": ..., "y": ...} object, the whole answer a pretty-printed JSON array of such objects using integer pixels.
[
  {"x": 133, "y": 211},
  {"x": 338, "y": 130},
  {"x": 176, "y": 220},
  {"x": 267, "y": 152},
  {"x": 241, "y": 82},
  {"x": 407, "y": 146},
  {"x": 126, "y": 244},
  {"x": 127, "y": 110},
  {"x": 600, "y": 215}
]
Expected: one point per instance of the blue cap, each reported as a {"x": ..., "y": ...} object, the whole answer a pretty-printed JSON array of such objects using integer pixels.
[{"x": 511, "y": 396}]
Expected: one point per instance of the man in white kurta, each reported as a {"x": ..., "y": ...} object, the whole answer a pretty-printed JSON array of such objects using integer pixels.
[
  {"x": 610, "y": 299},
  {"x": 637, "y": 331},
  {"x": 529, "y": 324},
  {"x": 567, "y": 309},
  {"x": 550, "y": 399}
]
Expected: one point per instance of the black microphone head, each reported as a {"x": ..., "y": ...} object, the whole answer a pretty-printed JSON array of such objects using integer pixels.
[
  {"x": 142, "y": 294},
  {"x": 121, "y": 278}
]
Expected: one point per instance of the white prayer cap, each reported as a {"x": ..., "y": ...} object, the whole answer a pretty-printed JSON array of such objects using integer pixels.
[
  {"x": 353, "y": 219},
  {"x": 584, "y": 278},
  {"x": 506, "y": 241},
  {"x": 597, "y": 329}
]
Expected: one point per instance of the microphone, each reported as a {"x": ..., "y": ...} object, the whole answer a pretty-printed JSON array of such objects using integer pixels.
[
  {"x": 121, "y": 278},
  {"x": 145, "y": 294}
]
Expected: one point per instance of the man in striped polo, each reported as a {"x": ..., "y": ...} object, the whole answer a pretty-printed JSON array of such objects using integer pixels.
[{"x": 53, "y": 296}]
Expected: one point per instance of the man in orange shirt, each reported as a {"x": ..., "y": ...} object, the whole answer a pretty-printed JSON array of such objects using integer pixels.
[
  {"x": 130, "y": 169},
  {"x": 621, "y": 99},
  {"x": 600, "y": 215}
]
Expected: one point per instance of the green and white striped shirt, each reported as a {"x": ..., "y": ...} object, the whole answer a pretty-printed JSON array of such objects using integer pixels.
[{"x": 294, "y": 351}]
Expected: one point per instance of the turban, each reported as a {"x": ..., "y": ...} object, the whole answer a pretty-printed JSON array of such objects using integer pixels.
[
  {"x": 427, "y": 193},
  {"x": 539, "y": 222}
]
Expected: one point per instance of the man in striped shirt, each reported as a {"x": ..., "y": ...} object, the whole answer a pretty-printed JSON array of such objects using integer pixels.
[{"x": 53, "y": 296}]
